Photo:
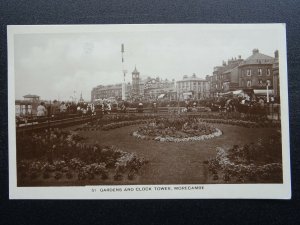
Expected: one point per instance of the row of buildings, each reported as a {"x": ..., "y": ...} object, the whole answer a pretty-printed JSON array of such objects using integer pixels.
[{"x": 257, "y": 72}]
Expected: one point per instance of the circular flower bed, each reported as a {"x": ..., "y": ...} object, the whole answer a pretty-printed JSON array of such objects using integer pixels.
[{"x": 177, "y": 130}]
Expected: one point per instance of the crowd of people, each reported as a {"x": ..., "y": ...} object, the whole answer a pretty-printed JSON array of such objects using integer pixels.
[
  {"x": 221, "y": 104},
  {"x": 57, "y": 109}
]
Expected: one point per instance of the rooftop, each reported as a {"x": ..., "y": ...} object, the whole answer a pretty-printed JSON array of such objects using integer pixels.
[
  {"x": 193, "y": 77},
  {"x": 258, "y": 58},
  {"x": 229, "y": 70},
  {"x": 31, "y": 96}
]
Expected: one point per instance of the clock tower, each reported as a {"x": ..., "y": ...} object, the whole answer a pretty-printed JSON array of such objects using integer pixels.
[{"x": 136, "y": 82}]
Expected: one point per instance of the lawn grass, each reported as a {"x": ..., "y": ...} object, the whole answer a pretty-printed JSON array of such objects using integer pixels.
[
  {"x": 176, "y": 163},
  {"x": 169, "y": 162}
]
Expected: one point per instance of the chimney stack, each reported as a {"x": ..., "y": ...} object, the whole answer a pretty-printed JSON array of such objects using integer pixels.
[
  {"x": 254, "y": 51},
  {"x": 276, "y": 54}
]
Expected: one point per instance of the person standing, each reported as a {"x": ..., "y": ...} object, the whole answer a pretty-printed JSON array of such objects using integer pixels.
[
  {"x": 63, "y": 109},
  {"x": 55, "y": 108},
  {"x": 41, "y": 110}
]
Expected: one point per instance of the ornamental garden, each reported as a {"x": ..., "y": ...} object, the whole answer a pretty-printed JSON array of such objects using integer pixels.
[{"x": 210, "y": 147}]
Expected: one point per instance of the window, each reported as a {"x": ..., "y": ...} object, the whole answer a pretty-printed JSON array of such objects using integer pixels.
[
  {"x": 268, "y": 72},
  {"x": 260, "y": 82},
  {"x": 259, "y": 72},
  {"x": 248, "y": 72},
  {"x": 249, "y": 83}
]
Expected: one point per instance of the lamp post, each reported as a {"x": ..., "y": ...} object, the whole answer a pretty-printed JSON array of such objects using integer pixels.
[{"x": 268, "y": 92}]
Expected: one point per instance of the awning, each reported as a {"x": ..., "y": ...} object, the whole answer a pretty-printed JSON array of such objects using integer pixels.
[
  {"x": 161, "y": 96},
  {"x": 238, "y": 92},
  {"x": 263, "y": 91},
  {"x": 227, "y": 93}
]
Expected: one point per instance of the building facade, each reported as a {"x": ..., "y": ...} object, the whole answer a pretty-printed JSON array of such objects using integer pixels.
[
  {"x": 192, "y": 87},
  {"x": 156, "y": 88},
  {"x": 225, "y": 77},
  {"x": 256, "y": 72},
  {"x": 276, "y": 85},
  {"x": 259, "y": 71},
  {"x": 110, "y": 91}
]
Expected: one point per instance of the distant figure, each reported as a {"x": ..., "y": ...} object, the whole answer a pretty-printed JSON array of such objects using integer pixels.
[
  {"x": 84, "y": 111},
  {"x": 123, "y": 107},
  {"x": 78, "y": 110},
  {"x": 194, "y": 109},
  {"x": 41, "y": 110},
  {"x": 89, "y": 110},
  {"x": 154, "y": 107},
  {"x": 55, "y": 108},
  {"x": 140, "y": 108},
  {"x": 63, "y": 108}
]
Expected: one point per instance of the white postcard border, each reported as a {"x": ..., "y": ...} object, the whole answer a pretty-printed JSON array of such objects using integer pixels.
[{"x": 203, "y": 191}]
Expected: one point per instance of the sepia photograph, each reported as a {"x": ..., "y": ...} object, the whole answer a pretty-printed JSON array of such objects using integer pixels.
[{"x": 148, "y": 111}]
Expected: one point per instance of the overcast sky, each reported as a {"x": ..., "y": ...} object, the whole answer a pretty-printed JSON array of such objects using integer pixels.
[{"x": 54, "y": 65}]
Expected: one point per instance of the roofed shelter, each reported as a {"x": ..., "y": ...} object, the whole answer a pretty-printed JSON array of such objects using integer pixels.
[{"x": 27, "y": 106}]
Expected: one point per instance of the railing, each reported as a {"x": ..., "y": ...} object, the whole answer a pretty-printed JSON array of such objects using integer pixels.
[{"x": 50, "y": 122}]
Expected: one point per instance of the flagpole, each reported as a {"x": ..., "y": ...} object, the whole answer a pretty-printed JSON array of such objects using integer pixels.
[{"x": 124, "y": 74}]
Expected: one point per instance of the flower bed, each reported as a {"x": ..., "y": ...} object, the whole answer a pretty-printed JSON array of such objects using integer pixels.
[
  {"x": 115, "y": 121},
  {"x": 116, "y": 166},
  {"x": 122, "y": 124},
  {"x": 242, "y": 123},
  {"x": 250, "y": 163},
  {"x": 58, "y": 154},
  {"x": 238, "y": 119},
  {"x": 172, "y": 139},
  {"x": 177, "y": 130}
]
